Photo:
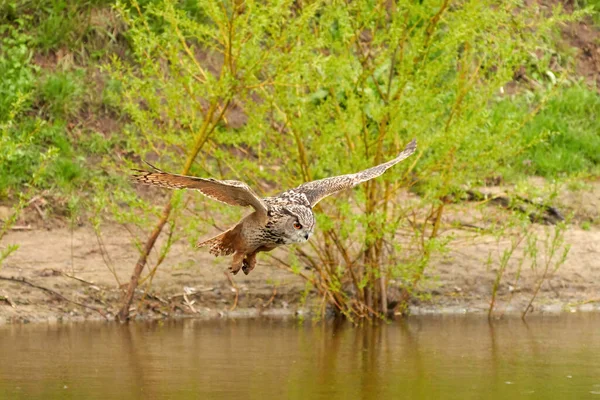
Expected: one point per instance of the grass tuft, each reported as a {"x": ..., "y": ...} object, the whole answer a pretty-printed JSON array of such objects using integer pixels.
[
  {"x": 61, "y": 94},
  {"x": 571, "y": 123}
]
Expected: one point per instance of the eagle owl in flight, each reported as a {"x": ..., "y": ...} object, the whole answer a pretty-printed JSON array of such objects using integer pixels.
[{"x": 284, "y": 219}]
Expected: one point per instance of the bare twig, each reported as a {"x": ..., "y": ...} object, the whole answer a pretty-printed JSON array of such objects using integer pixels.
[
  {"x": 34, "y": 199},
  {"x": 21, "y": 228},
  {"x": 189, "y": 303},
  {"x": 209, "y": 289},
  {"x": 39, "y": 211},
  {"x": 74, "y": 277},
  {"x": 157, "y": 298},
  {"x": 268, "y": 303},
  {"x": 52, "y": 292},
  {"x": 472, "y": 226},
  {"x": 552, "y": 245},
  {"x": 235, "y": 289},
  {"x": 72, "y": 253},
  {"x": 106, "y": 256}
]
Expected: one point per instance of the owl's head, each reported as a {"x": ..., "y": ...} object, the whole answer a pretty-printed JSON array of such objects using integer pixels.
[{"x": 295, "y": 223}]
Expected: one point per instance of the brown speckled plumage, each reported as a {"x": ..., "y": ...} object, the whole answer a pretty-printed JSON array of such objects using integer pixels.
[{"x": 284, "y": 219}]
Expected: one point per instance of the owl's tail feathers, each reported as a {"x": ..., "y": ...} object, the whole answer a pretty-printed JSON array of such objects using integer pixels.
[{"x": 222, "y": 244}]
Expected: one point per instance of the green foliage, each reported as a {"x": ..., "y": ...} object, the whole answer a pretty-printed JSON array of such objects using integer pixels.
[
  {"x": 570, "y": 123},
  {"x": 59, "y": 27},
  {"x": 61, "y": 93},
  {"x": 278, "y": 93},
  {"x": 20, "y": 153},
  {"x": 56, "y": 24},
  {"x": 43, "y": 144},
  {"x": 306, "y": 91},
  {"x": 561, "y": 139},
  {"x": 18, "y": 75},
  {"x": 586, "y": 225},
  {"x": 39, "y": 154},
  {"x": 593, "y": 6}
]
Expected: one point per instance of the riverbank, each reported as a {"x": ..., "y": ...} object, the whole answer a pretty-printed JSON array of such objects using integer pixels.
[
  {"x": 84, "y": 104},
  {"x": 75, "y": 264}
]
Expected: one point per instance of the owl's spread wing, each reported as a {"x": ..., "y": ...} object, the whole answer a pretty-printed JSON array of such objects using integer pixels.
[
  {"x": 235, "y": 193},
  {"x": 315, "y": 191}
]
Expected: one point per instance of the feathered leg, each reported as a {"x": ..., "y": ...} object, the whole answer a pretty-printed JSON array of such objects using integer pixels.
[{"x": 236, "y": 263}]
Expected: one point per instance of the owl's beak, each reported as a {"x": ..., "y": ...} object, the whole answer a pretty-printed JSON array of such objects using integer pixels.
[{"x": 306, "y": 235}]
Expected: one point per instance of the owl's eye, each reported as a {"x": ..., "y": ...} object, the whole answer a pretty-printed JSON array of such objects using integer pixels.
[{"x": 297, "y": 225}]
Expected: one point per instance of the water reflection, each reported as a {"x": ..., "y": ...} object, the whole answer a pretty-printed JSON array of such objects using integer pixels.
[{"x": 417, "y": 358}]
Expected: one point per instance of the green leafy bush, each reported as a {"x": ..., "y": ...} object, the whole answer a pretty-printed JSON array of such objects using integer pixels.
[
  {"x": 17, "y": 72},
  {"x": 33, "y": 153},
  {"x": 278, "y": 93},
  {"x": 302, "y": 91},
  {"x": 39, "y": 106},
  {"x": 36, "y": 153}
]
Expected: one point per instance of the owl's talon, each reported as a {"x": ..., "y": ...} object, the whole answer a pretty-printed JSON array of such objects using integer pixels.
[
  {"x": 249, "y": 263},
  {"x": 247, "y": 268}
]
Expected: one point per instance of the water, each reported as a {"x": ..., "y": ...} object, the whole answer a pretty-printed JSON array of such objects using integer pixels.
[{"x": 418, "y": 358}]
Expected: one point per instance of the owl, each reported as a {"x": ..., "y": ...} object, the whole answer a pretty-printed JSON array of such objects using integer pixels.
[{"x": 284, "y": 219}]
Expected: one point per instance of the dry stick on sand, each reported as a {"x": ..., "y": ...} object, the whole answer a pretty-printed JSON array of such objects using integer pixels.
[
  {"x": 56, "y": 271},
  {"x": 21, "y": 228},
  {"x": 189, "y": 303},
  {"x": 235, "y": 289},
  {"x": 52, "y": 292}
]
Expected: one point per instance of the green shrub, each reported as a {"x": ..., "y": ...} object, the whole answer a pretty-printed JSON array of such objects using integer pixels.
[
  {"x": 309, "y": 90},
  {"x": 17, "y": 72},
  {"x": 593, "y": 5},
  {"x": 37, "y": 151}
]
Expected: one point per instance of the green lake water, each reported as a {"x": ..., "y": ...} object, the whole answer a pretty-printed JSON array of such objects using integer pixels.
[{"x": 441, "y": 357}]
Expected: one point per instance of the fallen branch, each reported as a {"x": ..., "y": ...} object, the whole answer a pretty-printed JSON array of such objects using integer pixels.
[
  {"x": 21, "y": 228},
  {"x": 549, "y": 214},
  {"x": 52, "y": 292},
  {"x": 74, "y": 277}
]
